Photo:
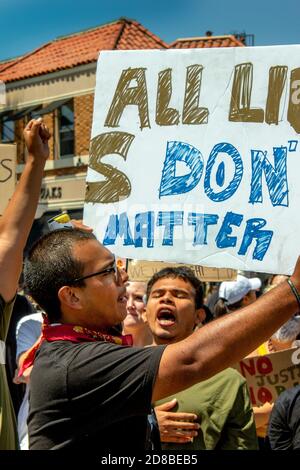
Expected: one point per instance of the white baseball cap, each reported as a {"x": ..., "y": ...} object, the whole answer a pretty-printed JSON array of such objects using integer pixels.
[{"x": 233, "y": 291}]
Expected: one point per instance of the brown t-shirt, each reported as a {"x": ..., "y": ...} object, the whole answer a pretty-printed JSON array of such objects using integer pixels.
[{"x": 8, "y": 428}]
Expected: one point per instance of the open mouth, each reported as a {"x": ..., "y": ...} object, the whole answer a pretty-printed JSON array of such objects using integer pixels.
[{"x": 166, "y": 317}]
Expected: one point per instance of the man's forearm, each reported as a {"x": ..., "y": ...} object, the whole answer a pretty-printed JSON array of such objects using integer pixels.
[
  {"x": 16, "y": 222},
  {"x": 18, "y": 217},
  {"x": 230, "y": 338},
  {"x": 222, "y": 342}
]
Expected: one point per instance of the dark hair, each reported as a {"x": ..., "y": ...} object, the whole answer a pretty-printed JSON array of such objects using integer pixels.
[
  {"x": 181, "y": 272},
  {"x": 222, "y": 308},
  {"x": 208, "y": 315},
  {"x": 51, "y": 265}
]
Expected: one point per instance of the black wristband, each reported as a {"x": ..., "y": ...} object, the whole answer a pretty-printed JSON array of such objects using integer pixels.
[{"x": 294, "y": 290}]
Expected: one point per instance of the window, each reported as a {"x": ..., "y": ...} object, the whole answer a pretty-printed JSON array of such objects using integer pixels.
[
  {"x": 66, "y": 129},
  {"x": 7, "y": 131},
  {"x": 34, "y": 114}
]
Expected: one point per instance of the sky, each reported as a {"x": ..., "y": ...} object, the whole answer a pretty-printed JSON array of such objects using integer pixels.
[{"x": 27, "y": 24}]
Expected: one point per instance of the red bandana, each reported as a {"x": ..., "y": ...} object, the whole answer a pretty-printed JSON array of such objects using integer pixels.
[{"x": 73, "y": 333}]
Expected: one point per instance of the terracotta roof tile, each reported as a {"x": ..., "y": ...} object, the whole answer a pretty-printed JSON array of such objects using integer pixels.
[
  {"x": 80, "y": 48},
  {"x": 206, "y": 41},
  {"x": 83, "y": 48},
  {"x": 135, "y": 36},
  {"x": 7, "y": 63}
]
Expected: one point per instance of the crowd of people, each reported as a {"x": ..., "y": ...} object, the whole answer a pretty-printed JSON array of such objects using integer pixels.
[{"x": 106, "y": 362}]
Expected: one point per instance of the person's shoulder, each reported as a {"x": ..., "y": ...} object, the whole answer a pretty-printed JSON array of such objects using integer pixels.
[
  {"x": 224, "y": 383},
  {"x": 6, "y": 313},
  {"x": 32, "y": 318},
  {"x": 6, "y": 305},
  {"x": 71, "y": 352},
  {"x": 228, "y": 375},
  {"x": 233, "y": 374},
  {"x": 53, "y": 354},
  {"x": 291, "y": 396}
]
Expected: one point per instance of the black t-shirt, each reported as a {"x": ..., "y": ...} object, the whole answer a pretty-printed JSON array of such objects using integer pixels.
[
  {"x": 284, "y": 423},
  {"x": 93, "y": 396}
]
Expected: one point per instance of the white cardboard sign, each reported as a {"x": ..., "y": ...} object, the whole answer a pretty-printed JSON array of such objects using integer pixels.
[
  {"x": 7, "y": 174},
  {"x": 195, "y": 156}
]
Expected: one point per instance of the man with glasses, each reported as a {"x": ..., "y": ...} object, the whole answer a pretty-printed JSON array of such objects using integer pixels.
[{"x": 89, "y": 389}]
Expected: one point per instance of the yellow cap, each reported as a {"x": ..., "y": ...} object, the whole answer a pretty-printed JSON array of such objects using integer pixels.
[{"x": 62, "y": 218}]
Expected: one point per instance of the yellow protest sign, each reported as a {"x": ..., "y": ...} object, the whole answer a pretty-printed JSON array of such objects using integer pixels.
[
  {"x": 268, "y": 376},
  {"x": 144, "y": 270}
]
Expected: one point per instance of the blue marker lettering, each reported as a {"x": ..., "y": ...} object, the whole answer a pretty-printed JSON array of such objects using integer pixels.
[
  {"x": 169, "y": 220},
  {"x": 144, "y": 228},
  {"x": 263, "y": 238},
  {"x": 276, "y": 177},
  {"x": 223, "y": 240},
  {"x": 118, "y": 226},
  {"x": 201, "y": 223},
  {"x": 170, "y": 183},
  {"x": 226, "y": 193}
]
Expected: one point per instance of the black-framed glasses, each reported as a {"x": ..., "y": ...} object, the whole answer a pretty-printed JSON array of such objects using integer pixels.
[{"x": 111, "y": 269}]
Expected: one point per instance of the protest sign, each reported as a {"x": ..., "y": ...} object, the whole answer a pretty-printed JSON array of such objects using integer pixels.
[
  {"x": 194, "y": 156},
  {"x": 268, "y": 376},
  {"x": 144, "y": 270},
  {"x": 7, "y": 173}
]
